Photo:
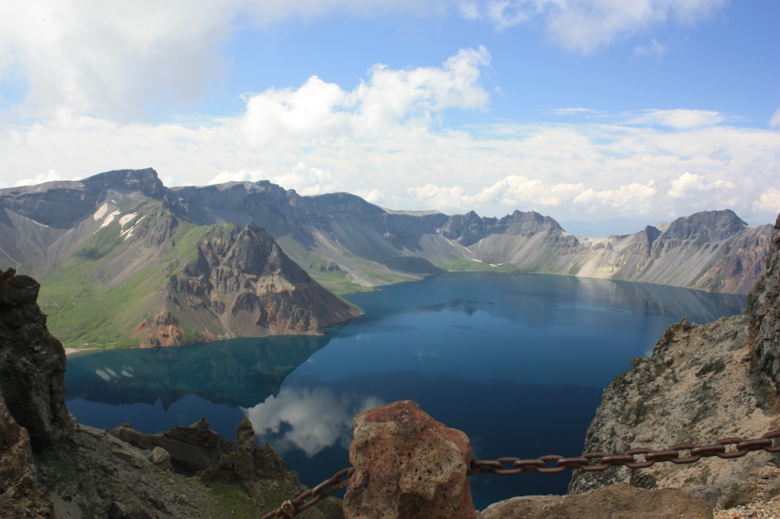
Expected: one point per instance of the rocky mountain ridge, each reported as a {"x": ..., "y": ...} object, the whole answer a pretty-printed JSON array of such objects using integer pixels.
[
  {"x": 125, "y": 267},
  {"x": 127, "y": 261},
  {"x": 346, "y": 243}
]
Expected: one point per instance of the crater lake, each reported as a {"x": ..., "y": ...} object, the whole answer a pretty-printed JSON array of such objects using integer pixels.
[{"x": 516, "y": 361}]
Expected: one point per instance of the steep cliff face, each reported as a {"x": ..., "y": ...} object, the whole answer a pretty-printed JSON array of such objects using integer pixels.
[
  {"x": 32, "y": 362},
  {"x": 702, "y": 383},
  {"x": 764, "y": 311}
]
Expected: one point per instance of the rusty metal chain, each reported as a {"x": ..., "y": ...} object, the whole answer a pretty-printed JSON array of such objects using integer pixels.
[
  {"x": 679, "y": 454},
  {"x": 292, "y": 507}
]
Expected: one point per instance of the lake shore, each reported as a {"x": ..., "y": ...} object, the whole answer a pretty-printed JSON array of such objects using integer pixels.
[{"x": 75, "y": 351}]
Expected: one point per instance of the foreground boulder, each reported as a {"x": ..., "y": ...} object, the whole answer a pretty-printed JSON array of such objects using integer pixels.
[{"x": 407, "y": 465}]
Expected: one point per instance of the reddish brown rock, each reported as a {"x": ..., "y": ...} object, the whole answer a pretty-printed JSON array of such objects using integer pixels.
[{"x": 407, "y": 465}]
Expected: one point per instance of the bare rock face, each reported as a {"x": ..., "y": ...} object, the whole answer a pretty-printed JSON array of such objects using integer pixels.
[
  {"x": 32, "y": 363},
  {"x": 764, "y": 308},
  {"x": 407, "y": 465},
  {"x": 246, "y": 283},
  {"x": 20, "y": 493},
  {"x": 615, "y": 502}
]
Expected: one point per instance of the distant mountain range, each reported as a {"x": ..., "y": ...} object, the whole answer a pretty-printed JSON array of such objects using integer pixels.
[{"x": 126, "y": 261}]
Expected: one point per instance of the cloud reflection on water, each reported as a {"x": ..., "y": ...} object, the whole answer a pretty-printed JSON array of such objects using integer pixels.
[{"x": 309, "y": 419}]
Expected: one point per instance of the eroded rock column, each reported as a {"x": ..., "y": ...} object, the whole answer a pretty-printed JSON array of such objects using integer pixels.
[{"x": 407, "y": 465}]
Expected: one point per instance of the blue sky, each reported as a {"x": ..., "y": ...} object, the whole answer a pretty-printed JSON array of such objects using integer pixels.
[{"x": 579, "y": 109}]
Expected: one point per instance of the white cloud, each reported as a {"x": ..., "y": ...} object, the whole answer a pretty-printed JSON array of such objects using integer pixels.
[
  {"x": 397, "y": 154},
  {"x": 120, "y": 59},
  {"x": 769, "y": 201},
  {"x": 243, "y": 175},
  {"x": 111, "y": 58},
  {"x": 517, "y": 190},
  {"x": 679, "y": 118},
  {"x": 307, "y": 419},
  {"x": 307, "y": 180},
  {"x": 51, "y": 176},
  {"x": 774, "y": 122},
  {"x": 319, "y": 111},
  {"x": 373, "y": 196},
  {"x": 688, "y": 183},
  {"x": 654, "y": 48},
  {"x": 573, "y": 111},
  {"x": 585, "y": 25},
  {"x": 635, "y": 198}
]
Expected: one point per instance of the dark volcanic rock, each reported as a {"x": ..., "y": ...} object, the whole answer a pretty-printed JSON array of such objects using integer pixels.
[
  {"x": 20, "y": 493},
  {"x": 247, "y": 463},
  {"x": 32, "y": 363}
]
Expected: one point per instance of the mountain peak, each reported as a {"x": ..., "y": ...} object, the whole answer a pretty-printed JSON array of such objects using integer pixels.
[
  {"x": 708, "y": 225},
  {"x": 145, "y": 181}
]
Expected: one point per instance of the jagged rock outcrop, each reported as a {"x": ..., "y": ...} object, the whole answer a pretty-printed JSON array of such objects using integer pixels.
[
  {"x": 246, "y": 463},
  {"x": 407, "y": 465},
  {"x": 702, "y": 383},
  {"x": 32, "y": 363},
  {"x": 245, "y": 281},
  {"x": 470, "y": 228}
]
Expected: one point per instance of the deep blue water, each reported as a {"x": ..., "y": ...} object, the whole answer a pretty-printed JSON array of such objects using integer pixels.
[{"x": 518, "y": 362}]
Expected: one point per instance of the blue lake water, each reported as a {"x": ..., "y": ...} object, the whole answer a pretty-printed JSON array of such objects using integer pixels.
[{"x": 516, "y": 361}]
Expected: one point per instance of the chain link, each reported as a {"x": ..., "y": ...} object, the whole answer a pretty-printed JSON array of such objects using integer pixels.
[
  {"x": 679, "y": 454},
  {"x": 330, "y": 486}
]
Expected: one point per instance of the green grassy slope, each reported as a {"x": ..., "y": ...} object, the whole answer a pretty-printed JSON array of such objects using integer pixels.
[{"x": 85, "y": 312}]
